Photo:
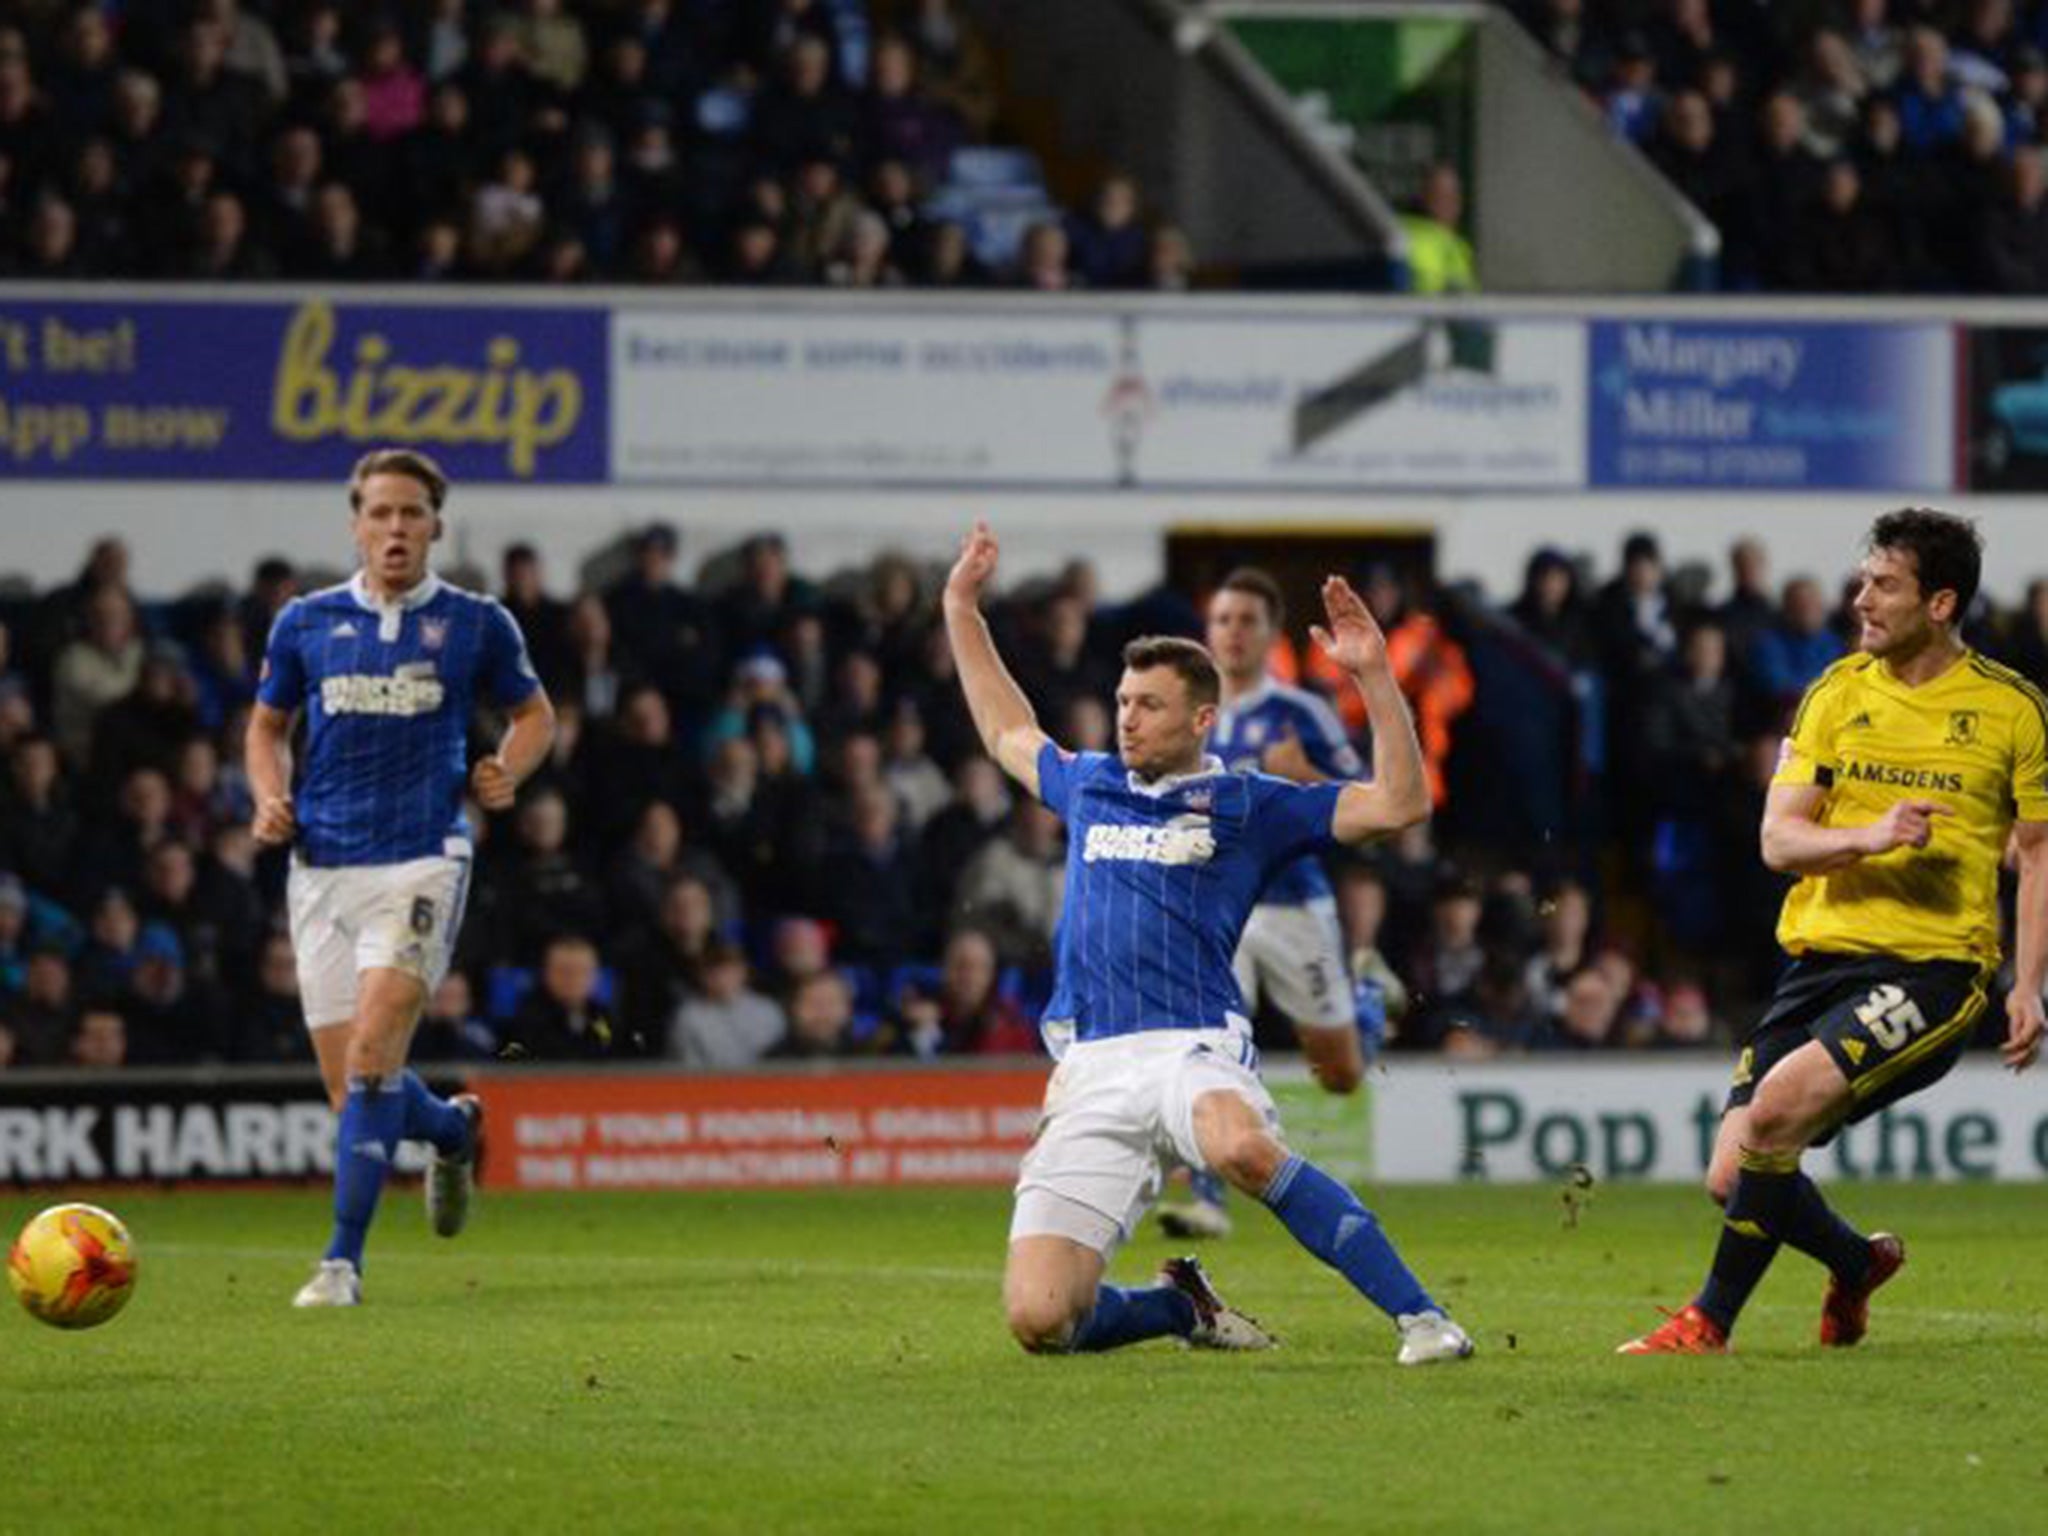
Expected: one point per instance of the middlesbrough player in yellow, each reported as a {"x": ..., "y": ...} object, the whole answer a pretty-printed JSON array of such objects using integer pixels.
[{"x": 1912, "y": 765}]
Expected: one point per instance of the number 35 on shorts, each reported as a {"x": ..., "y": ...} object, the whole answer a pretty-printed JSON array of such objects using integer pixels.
[{"x": 1891, "y": 1017}]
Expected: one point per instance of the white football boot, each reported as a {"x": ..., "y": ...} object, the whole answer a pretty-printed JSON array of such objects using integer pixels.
[
  {"x": 334, "y": 1284},
  {"x": 1430, "y": 1337},
  {"x": 1218, "y": 1325}
]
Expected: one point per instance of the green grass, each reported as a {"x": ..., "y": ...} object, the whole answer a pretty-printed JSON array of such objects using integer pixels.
[{"x": 805, "y": 1362}]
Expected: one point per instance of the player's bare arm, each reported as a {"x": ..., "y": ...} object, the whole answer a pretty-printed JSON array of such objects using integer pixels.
[
  {"x": 2024, "y": 1016},
  {"x": 267, "y": 757},
  {"x": 1002, "y": 715},
  {"x": 529, "y": 736},
  {"x": 1398, "y": 794},
  {"x": 1795, "y": 843}
]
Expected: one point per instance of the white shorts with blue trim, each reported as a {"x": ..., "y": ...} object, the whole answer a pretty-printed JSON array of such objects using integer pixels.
[
  {"x": 360, "y": 917},
  {"x": 1292, "y": 956},
  {"x": 1119, "y": 1115}
]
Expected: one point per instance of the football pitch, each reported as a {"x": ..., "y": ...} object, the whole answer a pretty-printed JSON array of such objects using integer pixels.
[{"x": 837, "y": 1362}]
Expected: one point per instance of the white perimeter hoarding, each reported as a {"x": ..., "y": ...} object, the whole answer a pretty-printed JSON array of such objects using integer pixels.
[
  {"x": 1024, "y": 398},
  {"x": 1284, "y": 402},
  {"x": 723, "y": 396},
  {"x": 1655, "y": 1120}
]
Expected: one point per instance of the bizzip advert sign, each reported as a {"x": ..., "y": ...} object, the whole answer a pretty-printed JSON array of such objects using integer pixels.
[
  {"x": 1765, "y": 404},
  {"x": 1655, "y": 1121}
]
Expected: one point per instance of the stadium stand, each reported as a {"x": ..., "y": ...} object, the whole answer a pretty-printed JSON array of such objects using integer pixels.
[{"x": 811, "y": 844}]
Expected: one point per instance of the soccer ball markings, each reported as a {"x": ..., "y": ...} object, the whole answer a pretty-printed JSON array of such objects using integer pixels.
[{"x": 73, "y": 1266}]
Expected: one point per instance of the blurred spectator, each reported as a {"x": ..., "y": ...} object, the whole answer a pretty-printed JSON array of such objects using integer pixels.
[
  {"x": 657, "y": 964},
  {"x": 869, "y": 881},
  {"x": 920, "y": 787},
  {"x": 450, "y": 1027},
  {"x": 561, "y": 1018},
  {"x": 169, "y": 1022},
  {"x": 394, "y": 94},
  {"x": 2011, "y": 238},
  {"x": 1795, "y": 650},
  {"x": 1444, "y": 968},
  {"x": 1042, "y": 260},
  {"x": 1688, "y": 1024},
  {"x": 93, "y": 671},
  {"x": 269, "y": 1023},
  {"x": 898, "y": 121},
  {"x": 964, "y": 1013},
  {"x": 1440, "y": 258},
  {"x": 1013, "y": 887},
  {"x": 723, "y": 1023},
  {"x": 39, "y": 827},
  {"x": 542, "y": 887},
  {"x": 1585, "y": 1016},
  {"x": 1169, "y": 260},
  {"x": 42, "y": 1014},
  {"x": 100, "y": 1041},
  {"x": 1106, "y": 244},
  {"x": 1565, "y": 919},
  {"x": 1551, "y": 610},
  {"x": 2026, "y": 642},
  {"x": 820, "y": 1019}
]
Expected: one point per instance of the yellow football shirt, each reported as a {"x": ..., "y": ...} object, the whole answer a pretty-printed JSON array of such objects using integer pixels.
[{"x": 1974, "y": 739}]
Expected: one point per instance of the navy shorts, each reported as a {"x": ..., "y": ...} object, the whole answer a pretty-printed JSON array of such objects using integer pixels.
[{"x": 1892, "y": 1026}]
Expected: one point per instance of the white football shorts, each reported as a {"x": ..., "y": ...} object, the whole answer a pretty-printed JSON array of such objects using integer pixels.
[
  {"x": 401, "y": 917},
  {"x": 1293, "y": 957},
  {"x": 1119, "y": 1115}
]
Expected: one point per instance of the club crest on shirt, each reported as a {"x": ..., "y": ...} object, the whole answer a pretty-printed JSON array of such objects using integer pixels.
[
  {"x": 433, "y": 633},
  {"x": 1198, "y": 799},
  {"x": 1962, "y": 728}
]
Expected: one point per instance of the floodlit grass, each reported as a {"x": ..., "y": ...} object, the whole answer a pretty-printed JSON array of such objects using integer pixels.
[{"x": 778, "y": 1362}]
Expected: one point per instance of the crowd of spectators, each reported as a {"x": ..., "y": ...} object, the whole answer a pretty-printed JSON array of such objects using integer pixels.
[
  {"x": 641, "y": 141},
  {"x": 767, "y": 830},
  {"x": 1863, "y": 146}
]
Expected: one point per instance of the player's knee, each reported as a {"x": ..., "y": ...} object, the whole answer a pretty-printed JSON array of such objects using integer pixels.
[
  {"x": 1248, "y": 1159},
  {"x": 1773, "y": 1125},
  {"x": 1042, "y": 1324},
  {"x": 1719, "y": 1184}
]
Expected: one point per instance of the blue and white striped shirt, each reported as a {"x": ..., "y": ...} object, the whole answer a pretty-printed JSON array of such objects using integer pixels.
[
  {"x": 388, "y": 691},
  {"x": 1270, "y": 713},
  {"x": 1160, "y": 880}
]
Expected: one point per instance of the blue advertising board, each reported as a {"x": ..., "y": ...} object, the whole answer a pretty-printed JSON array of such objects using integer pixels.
[
  {"x": 106, "y": 390},
  {"x": 1772, "y": 405}
]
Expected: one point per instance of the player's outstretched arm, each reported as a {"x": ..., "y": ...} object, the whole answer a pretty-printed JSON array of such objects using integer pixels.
[
  {"x": 1398, "y": 795},
  {"x": 2024, "y": 1014},
  {"x": 528, "y": 738},
  {"x": 1795, "y": 843},
  {"x": 267, "y": 758},
  {"x": 1002, "y": 715}
]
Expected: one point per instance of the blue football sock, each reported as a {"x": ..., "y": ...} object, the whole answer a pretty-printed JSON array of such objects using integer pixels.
[
  {"x": 1328, "y": 1220},
  {"x": 1207, "y": 1187},
  {"x": 431, "y": 1118},
  {"x": 1124, "y": 1316},
  {"x": 372, "y": 1122}
]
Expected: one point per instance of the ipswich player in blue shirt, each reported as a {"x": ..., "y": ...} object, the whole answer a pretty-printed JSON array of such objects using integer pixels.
[
  {"x": 387, "y": 668},
  {"x": 1291, "y": 954},
  {"x": 1166, "y": 853}
]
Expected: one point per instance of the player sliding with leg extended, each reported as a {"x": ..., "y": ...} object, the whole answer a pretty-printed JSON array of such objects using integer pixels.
[
  {"x": 1166, "y": 852},
  {"x": 1910, "y": 766},
  {"x": 1292, "y": 951},
  {"x": 387, "y": 667}
]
